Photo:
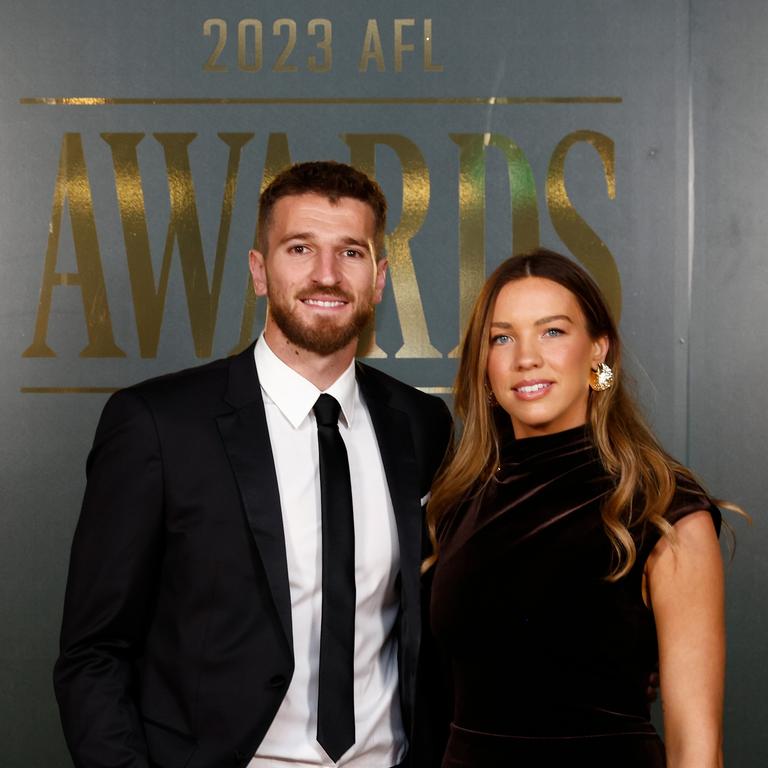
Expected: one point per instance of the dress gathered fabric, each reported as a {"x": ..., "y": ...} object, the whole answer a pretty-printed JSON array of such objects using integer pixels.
[{"x": 549, "y": 660}]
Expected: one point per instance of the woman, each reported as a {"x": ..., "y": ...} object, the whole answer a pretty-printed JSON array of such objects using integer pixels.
[{"x": 571, "y": 552}]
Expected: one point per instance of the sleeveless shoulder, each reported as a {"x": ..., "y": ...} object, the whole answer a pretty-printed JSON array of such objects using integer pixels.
[{"x": 690, "y": 497}]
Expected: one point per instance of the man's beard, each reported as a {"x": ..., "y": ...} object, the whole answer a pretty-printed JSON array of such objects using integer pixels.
[{"x": 324, "y": 337}]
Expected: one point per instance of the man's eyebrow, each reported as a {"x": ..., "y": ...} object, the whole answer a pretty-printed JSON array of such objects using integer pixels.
[
  {"x": 355, "y": 241},
  {"x": 296, "y": 236},
  {"x": 348, "y": 240}
]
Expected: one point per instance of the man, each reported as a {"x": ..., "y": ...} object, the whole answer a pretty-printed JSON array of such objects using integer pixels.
[{"x": 196, "y": 628}]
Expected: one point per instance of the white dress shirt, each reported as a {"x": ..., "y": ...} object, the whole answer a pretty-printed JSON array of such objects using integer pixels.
[{"x": 379, "y": 737}]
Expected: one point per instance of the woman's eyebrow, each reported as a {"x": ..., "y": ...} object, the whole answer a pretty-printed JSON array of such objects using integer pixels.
[{"x": 552, "y": 318}]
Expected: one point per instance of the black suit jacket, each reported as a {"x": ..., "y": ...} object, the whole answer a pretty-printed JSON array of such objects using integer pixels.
[{"x": 176, "y": 643}]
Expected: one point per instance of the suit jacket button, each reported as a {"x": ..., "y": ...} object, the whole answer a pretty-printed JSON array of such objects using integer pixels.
[{"x": 276, "y": 681}]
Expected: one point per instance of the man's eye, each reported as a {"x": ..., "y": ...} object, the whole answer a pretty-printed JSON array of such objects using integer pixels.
[
  {"x": 300, "y": 249},
  {"x": 352, "y": 253}
]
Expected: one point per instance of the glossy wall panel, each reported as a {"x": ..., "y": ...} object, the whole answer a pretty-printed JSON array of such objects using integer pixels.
[{"x": 729, "y": 350}]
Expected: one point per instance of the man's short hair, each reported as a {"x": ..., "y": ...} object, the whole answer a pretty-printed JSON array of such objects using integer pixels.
[{"x": 333, "y": 181}]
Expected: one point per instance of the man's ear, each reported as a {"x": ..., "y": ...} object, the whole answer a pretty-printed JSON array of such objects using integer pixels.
[
  {"x": 380, "y": 280},
  {"x": 258, "y": 272}
]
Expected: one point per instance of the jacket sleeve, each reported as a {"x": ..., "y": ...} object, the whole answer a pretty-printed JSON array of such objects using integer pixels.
[{"x": 111, "y": 588}]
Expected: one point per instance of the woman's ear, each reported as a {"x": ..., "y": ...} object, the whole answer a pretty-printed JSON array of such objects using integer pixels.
[{"x": 600, "y": 347}]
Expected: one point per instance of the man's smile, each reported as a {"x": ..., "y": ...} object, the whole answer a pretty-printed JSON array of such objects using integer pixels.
[{"x": 324, "y": 303}]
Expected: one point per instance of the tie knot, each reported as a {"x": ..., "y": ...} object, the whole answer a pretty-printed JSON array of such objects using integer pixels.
[{"x": 327, "y": 411}]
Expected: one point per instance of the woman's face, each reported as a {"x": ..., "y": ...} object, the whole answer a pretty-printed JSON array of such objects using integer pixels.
[{"x": 540, "y": 356}]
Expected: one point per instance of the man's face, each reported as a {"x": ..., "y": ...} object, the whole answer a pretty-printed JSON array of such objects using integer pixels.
[{"x": 320, "y": 272}]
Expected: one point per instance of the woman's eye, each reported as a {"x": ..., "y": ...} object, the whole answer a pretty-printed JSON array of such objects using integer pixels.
[
  {"x": 554, "y": 332},
  {"x": 500, "y": 339}
]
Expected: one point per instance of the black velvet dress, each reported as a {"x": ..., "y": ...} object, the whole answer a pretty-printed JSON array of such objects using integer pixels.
[{"x": 549, "y": 661}]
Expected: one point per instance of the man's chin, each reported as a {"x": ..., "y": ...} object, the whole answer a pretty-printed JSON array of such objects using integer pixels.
[
  {"x": 323, "y": 343},
  {"x": 324, "y": 337}
]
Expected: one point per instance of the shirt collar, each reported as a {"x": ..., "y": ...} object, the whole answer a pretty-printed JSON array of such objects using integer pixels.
[{"x": 293, "y": 394}]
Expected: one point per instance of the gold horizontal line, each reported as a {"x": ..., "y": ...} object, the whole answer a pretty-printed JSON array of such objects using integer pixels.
[
  {"x": 68, "y": 390},
  {"x": 102, "y": 101},
  {"x": 110, "y": 390}
]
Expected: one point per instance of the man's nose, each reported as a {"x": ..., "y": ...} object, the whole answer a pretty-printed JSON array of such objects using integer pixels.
[{"x": 326, "y": 269}]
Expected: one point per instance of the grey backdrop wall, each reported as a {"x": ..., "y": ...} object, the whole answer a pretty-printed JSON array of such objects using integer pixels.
[
  {"x": 134, "y": 140},
  {"x": 728, "y": 420}
]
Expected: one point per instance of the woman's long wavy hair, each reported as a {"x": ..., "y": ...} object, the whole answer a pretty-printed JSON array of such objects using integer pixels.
[{"x": 630, "y": 453}]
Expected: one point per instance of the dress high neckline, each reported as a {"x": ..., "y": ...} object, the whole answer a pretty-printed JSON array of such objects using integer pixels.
[{"x": 515, "y": 450}]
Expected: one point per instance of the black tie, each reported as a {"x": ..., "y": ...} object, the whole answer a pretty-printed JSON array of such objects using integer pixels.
[{"x": 335, "y": 700}]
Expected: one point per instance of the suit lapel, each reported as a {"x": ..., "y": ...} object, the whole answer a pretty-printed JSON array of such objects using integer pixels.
[
  {"x": 246, "y": 440},
  {"x": 393, "y": 434}
]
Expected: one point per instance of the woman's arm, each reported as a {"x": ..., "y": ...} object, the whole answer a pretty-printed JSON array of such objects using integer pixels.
[{"x": 685, "y": 585}]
